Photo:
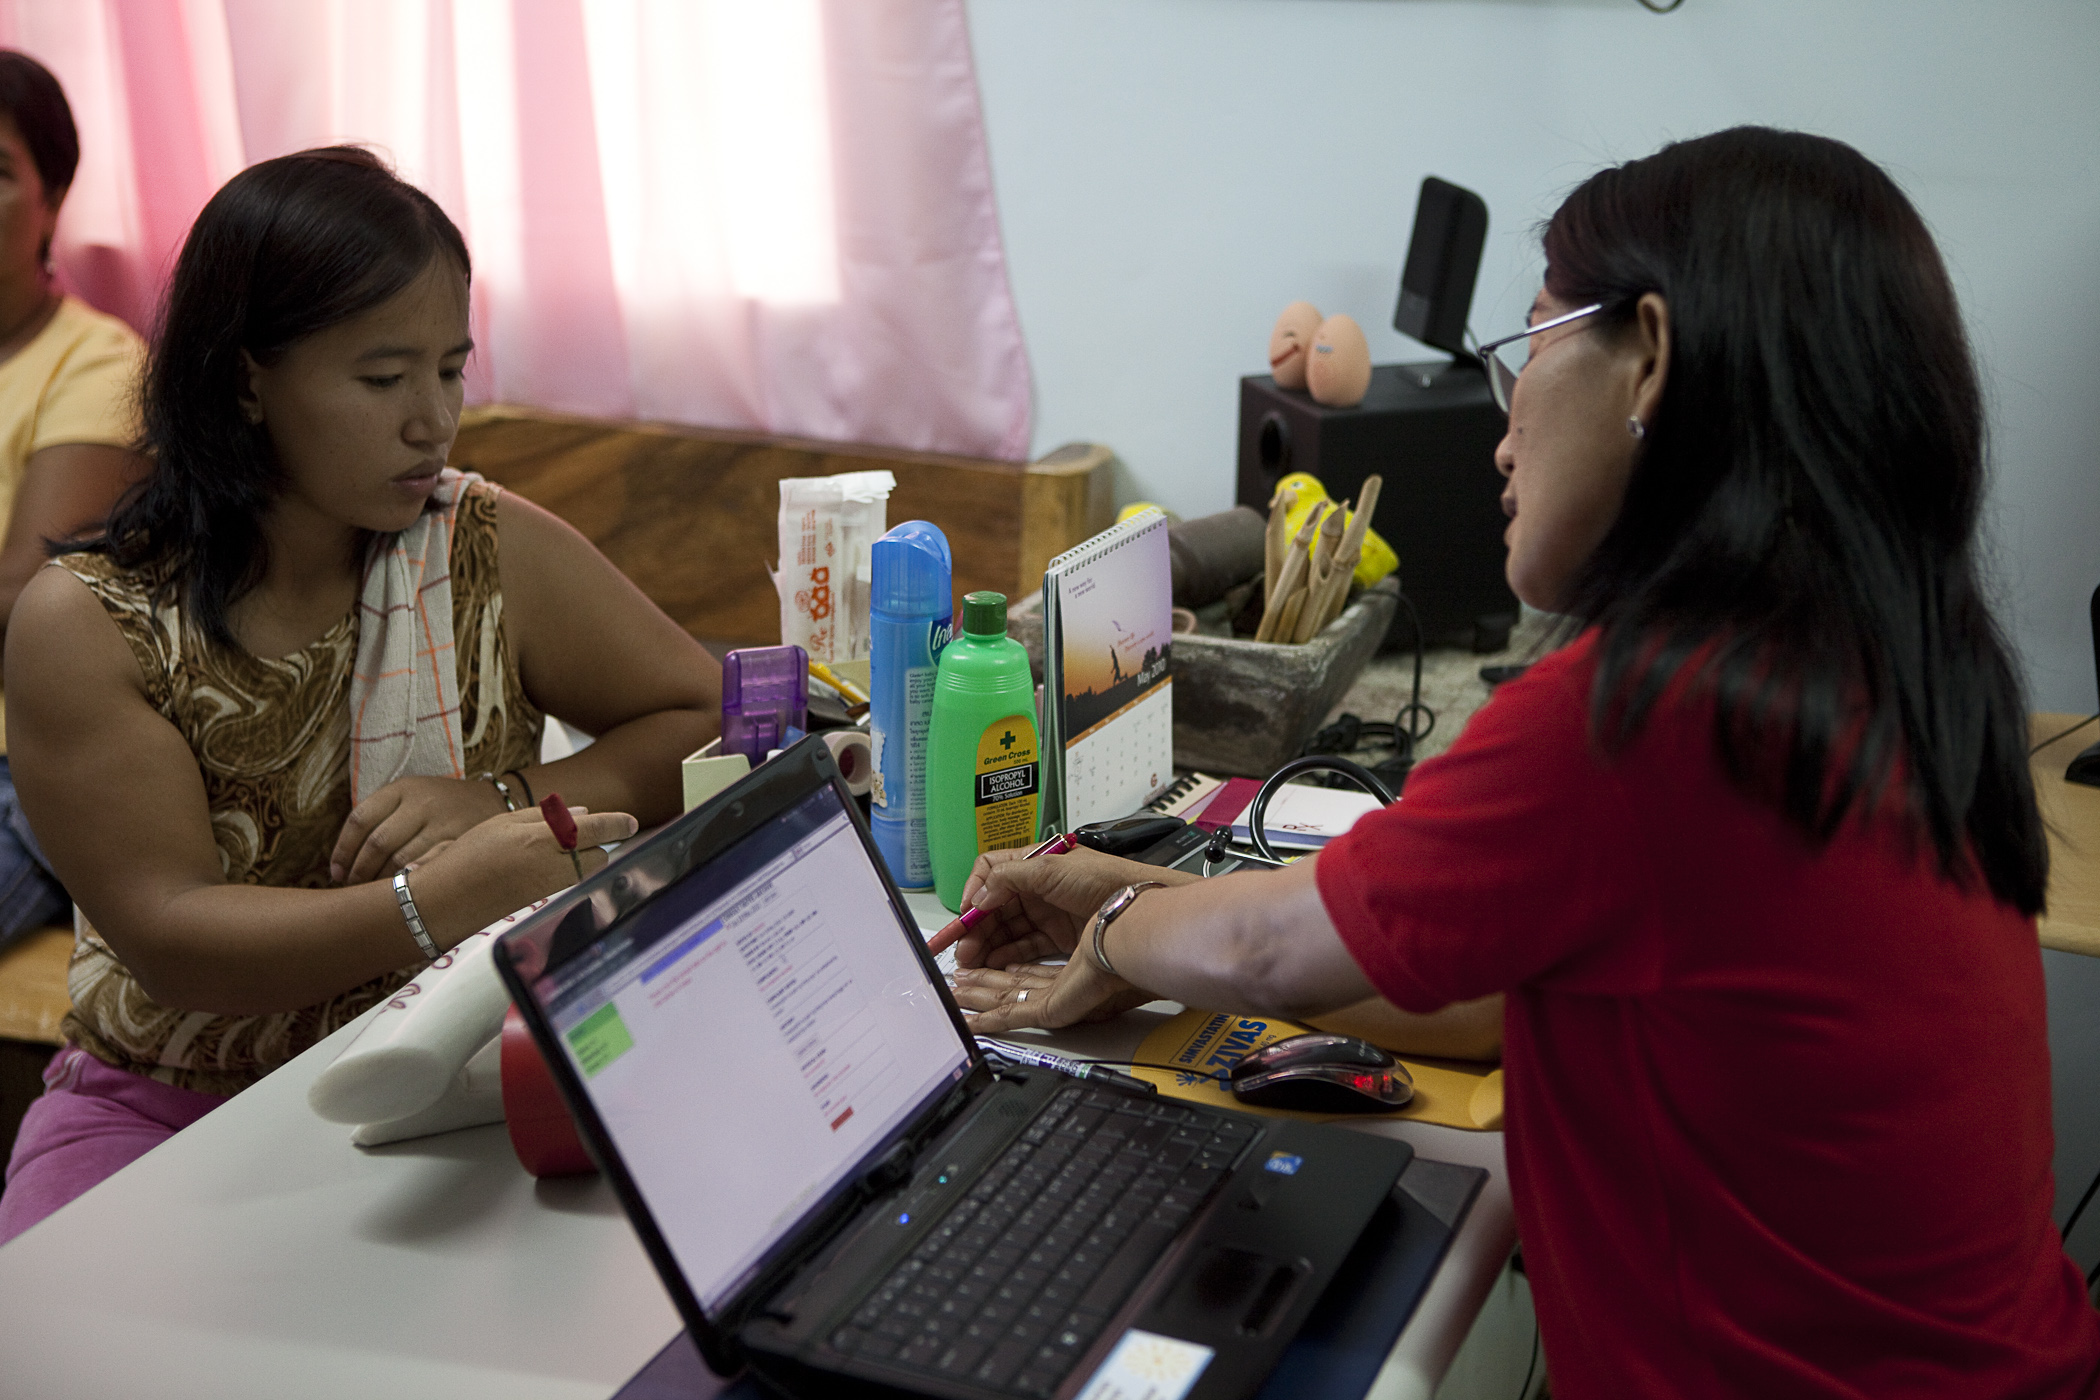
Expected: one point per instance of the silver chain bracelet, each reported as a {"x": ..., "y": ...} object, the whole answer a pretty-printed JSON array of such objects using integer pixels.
[{"x": 427, "y": 945}]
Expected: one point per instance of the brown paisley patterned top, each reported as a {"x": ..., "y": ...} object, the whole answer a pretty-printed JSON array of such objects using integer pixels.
[{"x": 272, "y": 739}]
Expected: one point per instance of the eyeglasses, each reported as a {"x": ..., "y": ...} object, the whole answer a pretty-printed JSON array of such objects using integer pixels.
[{"x": 1502, "y": 380}]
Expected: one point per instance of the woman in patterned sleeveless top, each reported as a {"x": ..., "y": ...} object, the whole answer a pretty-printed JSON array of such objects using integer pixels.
[{"x": 182, "y": 729}]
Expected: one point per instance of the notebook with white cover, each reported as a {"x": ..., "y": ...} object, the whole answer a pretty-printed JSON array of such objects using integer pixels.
[{"x": 1306, "y": 817}]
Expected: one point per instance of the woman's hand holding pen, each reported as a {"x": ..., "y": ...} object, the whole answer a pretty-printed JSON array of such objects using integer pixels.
[
  {"x": 1036, "y": 909},
  {"x": 1032, "y": 909}
]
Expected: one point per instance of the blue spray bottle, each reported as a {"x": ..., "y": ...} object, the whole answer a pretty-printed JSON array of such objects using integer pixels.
[{"x": 910, "y": 614}]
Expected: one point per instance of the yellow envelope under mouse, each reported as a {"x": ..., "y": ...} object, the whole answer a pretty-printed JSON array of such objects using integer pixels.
[{"x": 1208, "y": 1043}]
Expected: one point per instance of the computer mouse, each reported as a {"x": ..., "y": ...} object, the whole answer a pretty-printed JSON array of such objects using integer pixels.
[{"x": 1321, "y": 1072}]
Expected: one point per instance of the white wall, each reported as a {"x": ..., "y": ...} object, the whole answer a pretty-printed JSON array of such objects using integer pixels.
[{"x": 1171, "y": 172}]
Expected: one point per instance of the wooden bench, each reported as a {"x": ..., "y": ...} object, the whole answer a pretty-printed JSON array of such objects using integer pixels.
[
  {"x": 33, "y": 1001},
  {"x": 690, "y": 514},
  {"x": 33, "y": 986}
]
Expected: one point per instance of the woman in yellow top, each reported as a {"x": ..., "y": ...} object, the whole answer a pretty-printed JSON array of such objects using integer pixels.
[{"x": 68, "y": 411}]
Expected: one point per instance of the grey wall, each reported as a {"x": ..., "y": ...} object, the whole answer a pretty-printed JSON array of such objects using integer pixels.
[{"x": 1171, "y": 172}]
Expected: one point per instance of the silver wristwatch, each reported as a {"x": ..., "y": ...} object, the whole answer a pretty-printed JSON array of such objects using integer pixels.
[{"x": 1113, "y": 910}]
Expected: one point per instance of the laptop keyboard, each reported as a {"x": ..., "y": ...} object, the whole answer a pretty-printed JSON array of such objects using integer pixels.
[{"x": 1019, "y": 1278}]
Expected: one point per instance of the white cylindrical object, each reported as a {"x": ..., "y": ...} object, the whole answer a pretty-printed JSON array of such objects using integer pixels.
[
  {"x": 474, "y": 1097},
  {"x": 855, "y": 757},
  {"x": 412, "y": 1049}
]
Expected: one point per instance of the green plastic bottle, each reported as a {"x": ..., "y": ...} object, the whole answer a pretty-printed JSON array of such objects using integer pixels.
[{"x": 981, "y": 772}]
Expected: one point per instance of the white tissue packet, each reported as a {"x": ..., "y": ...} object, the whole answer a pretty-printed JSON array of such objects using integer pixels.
[{"x": 828, "y": 526}]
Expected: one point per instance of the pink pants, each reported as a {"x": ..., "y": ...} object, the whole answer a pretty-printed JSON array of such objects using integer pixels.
[{"x": 91, "y": 1122}]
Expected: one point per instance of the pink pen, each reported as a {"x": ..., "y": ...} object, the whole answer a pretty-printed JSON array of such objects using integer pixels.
[{"x": 1055, "y": 846}]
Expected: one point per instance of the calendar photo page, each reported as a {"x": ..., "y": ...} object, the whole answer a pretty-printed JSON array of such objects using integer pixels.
[{"x": 1116, "y": 628}]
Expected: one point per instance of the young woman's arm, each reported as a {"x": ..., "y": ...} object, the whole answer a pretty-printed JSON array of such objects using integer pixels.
[
  {"x": 591, "y": 650},
  {"x": 119, "y": 806},
  {"x": 594, "y": 651}
]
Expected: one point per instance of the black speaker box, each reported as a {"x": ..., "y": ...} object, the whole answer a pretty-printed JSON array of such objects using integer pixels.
[
  {"x": 1443, "y": 259},
  {"x": 1430, "y": 430}
]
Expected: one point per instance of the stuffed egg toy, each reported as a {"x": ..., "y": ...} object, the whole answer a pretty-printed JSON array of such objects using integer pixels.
[
  {"x": 1291, "y": 342},
  {"x": 1338, "y": 369}
]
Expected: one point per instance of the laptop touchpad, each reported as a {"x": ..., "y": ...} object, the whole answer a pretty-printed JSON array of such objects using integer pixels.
[{"x": 1237, "y": 1289}]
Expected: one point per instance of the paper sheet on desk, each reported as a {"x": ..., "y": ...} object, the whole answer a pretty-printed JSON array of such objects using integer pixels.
[{"x": 1208, "y": 1042}]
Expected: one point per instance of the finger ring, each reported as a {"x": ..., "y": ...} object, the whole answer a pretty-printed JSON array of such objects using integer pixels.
[{"x": 1022, "y": 997}]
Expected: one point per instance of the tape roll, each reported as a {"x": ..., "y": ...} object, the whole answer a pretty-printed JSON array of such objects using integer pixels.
[
  {"x": 855, "y": 757},
  {"x": 541, "y": 1131}
]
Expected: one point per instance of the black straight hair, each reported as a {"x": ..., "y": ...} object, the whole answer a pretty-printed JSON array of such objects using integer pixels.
[
  {"x": 1798, "y": 538},
  {"x": 32, "y": 97},
  {"x": 286, "y": 248}
]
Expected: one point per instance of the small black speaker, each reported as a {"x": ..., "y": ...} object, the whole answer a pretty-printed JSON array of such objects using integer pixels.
[{"x": 1443, "y": 260}]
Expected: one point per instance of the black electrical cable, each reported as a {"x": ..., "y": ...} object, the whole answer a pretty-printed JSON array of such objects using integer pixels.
[
  {"x": 1347, "y": 734},
  {"x": 1414, "y": 711},
  {"x": 1218, "y": 1075},
  {"x": 2064, "y": 735},
  {"x": 1525, "y": 1389},
  {"x": 1413, "y": 723},
  {"x": 1317, "y": 762},
  {"x": 1220, "y": 845},
  {"x": 2079, "y": 1209}
]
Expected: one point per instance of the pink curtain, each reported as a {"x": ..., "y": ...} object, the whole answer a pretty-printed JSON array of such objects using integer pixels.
[{"x": 775, "y": 217}]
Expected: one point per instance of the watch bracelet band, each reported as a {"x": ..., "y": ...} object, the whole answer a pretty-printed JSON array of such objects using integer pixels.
[
  {"x": 424, "y": 942},
  {"x": 1110, "y": 911}
]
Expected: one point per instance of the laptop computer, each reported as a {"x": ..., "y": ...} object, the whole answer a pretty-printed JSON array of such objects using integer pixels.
[{"x": 834, "y": 1183}]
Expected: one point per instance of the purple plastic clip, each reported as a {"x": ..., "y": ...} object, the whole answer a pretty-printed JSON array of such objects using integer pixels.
[{"x": 765, "y": 700}]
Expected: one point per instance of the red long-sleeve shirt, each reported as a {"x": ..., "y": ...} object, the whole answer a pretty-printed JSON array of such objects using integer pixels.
[{"x": 1778, "y": 1118}]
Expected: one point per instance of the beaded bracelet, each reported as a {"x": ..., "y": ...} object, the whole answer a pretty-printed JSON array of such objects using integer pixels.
[{"x": 502, "y": 791}]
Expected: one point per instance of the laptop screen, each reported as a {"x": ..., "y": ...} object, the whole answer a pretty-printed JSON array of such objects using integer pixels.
[{"x": 751, "y": 1034}]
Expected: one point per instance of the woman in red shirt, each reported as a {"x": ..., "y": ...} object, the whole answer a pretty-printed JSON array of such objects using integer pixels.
[{"x": 1755, "y": 857}]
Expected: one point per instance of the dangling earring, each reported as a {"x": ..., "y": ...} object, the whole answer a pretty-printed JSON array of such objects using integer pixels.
[{"x": 1636, "y": 427}]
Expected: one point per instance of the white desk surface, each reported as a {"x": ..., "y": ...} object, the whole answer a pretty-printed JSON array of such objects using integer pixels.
[{"x": 260, "y": 1254}]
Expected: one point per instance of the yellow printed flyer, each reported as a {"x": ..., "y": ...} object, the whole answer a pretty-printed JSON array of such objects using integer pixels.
[{"x": 1207, "y": 1043}]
